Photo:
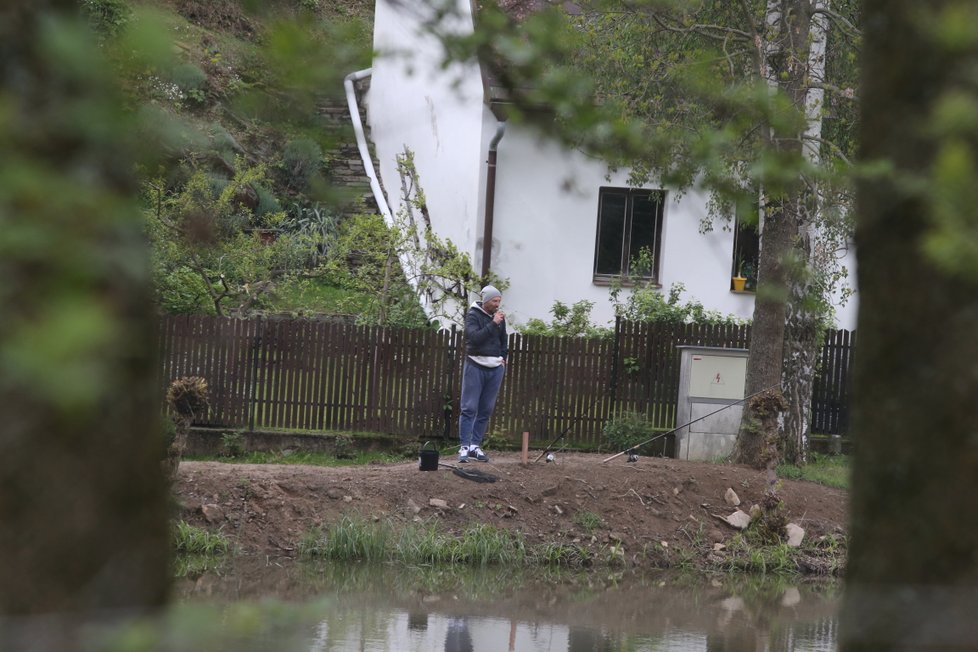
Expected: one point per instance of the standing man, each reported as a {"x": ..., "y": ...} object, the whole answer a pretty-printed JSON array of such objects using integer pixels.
[{"x": 485, "y": 363}]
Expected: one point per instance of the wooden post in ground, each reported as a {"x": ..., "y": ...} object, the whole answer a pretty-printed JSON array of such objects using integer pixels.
[{"x": 524, "y": 459}]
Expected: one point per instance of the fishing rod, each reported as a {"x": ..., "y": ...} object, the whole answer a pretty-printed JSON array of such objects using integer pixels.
[
  {"x": 669, "y": 432},
  {"x": 612, "y": 387}
]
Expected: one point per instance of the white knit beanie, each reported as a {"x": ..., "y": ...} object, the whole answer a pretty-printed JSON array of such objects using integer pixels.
[{"x": 489, "y": 293}]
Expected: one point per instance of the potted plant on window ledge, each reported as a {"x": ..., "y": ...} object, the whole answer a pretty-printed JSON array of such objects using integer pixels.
[{"x": 739, "y": 281}]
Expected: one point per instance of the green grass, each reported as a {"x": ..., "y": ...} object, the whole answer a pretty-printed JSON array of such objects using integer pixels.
[
  {"x": 588, "y": 521},
  {"x": 357, "y": 539},
  {"x": 299, "y": 457},
  {"x": 747, "y": 556},
  {"x": 191, "y": 540},
  {"x": 829, "y": 470},
  {"x": 316, "y": 296}
]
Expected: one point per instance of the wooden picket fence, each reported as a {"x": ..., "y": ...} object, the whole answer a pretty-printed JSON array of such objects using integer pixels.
[{"x": 271, "y": 374}]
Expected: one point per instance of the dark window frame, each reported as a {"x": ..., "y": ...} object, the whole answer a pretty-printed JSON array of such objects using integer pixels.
[
  {"x": 746, "y": 249},
  {"x": 657, "y": 198}
]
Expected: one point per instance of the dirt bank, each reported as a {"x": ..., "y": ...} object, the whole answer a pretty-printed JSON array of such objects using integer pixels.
[{"x": 266, "y": 509}]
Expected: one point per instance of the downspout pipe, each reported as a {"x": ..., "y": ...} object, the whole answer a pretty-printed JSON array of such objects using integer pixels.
[
  {"x": 490, "y": 201},
  {"x": 368, "y": 164}
]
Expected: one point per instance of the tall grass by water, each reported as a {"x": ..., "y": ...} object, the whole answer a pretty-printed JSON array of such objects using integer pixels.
[
  {"x": 362, "y": 540},
  {"x": 424, "y": 544},
  {"x": 191, "y": 540}
]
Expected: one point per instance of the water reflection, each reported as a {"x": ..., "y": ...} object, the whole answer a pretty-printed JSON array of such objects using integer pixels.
[{"x": 351, "y": 608}]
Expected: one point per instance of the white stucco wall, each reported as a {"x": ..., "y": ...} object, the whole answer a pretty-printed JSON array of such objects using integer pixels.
[
  {"x": 413, "y": 102},
  {"x": 546, "y": 211}
]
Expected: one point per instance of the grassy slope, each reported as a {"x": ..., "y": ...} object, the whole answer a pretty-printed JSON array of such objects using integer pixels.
[{"x": 222, "y": 38}]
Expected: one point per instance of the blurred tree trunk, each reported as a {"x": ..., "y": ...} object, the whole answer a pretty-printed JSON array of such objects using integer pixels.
[
  {"x": 912, "y": 579},
  {"x": 83, "y": 503}
]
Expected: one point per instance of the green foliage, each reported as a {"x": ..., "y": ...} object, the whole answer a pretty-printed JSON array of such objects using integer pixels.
[
  {"x": 443, "y": 275},
  {"x": 569, "y": 321},
  {"x": 627, "y": 429},
  {"x": 343, "y": 447},
  {"x": 364, "y": 261},
  {"x": 232, "y": 443},
  {"x": 644, "y": 300},
  {"x": 359, "y": 539},
  {"x": 192, "y": 540},
  {"x": 301, "y": 160},
  {"x": 107, "y": 17},
  {"x": 349, "y": 540},
  {"x": 214, "y": 186},
  {"x": 192, "y": 82},
  {"x": 168, "y": 430},
  {"x": 562, "y": 554},
  {"x": 203, "y": 253}
]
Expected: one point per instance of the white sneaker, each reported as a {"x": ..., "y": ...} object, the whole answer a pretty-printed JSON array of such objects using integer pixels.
[
  {"x": 477, "y": 453},
  {"x": 463, "y": 454}
]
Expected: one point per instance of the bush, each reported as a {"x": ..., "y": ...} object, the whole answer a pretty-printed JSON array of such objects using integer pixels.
[
  {"x": 627, "y": 429},
  {"x": 569, "y": 321},
  {"x": 107, "y": 17},
  {"x": 192, "y": 82},
  {"x": 301, "y": 161}
]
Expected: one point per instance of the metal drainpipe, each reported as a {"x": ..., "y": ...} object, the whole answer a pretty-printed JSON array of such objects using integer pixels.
[
  {"x": 368, "y": 164},
  {"x": 490, "y": 197}
]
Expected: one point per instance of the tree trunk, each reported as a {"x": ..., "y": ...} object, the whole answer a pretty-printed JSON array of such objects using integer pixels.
[
  {"x": 787, "y": 61},
  {"x": 802, "y": 334},
  {"x": 82, "y": 496},
  {"x": 765, "y": 357},
  {"x": 912, "y": 576}
]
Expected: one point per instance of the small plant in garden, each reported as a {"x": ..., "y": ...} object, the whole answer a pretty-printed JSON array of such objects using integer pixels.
[
  {"x": 301, "y": 161},
  {"x": 627, "y": 429},
  {"x": 615, "y": 554},
  {"x": 588, "y": 521},
  {"x": 494, "y": 440},
  {"x": 343, "y": 447},
  {"x": 233, "y": 443}
]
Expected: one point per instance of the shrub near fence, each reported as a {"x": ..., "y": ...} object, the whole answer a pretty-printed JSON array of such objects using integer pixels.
[{"x": 271, "y": 374}]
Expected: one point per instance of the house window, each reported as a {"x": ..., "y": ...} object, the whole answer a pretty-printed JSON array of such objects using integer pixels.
[
  {"x": 628, "y": 221},
  {"x": 746, "y": 249}
]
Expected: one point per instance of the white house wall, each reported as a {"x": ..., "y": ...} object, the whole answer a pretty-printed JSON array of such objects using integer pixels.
[
  {"x": 546, "y": 199},
  {"x": 413, "y": 102},
  {"x": 546, "y": 210},
  {"x": 546, "y": 225}
]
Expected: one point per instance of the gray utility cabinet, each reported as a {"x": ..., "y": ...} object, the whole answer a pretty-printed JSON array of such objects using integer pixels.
[{"x": 709, "y": 378}]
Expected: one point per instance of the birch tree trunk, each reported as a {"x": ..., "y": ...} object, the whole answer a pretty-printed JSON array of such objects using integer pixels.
[{"x": 801, "y": 337}]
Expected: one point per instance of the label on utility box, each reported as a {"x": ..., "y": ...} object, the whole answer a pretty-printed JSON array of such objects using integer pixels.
[{"x": 717, "y": 376}]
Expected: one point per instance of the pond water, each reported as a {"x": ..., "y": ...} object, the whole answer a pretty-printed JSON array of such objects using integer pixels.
[{"x": 261, "y": 604}]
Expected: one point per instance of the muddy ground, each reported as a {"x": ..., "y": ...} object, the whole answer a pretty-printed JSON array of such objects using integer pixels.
[{"x": 266, "y": 509}]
